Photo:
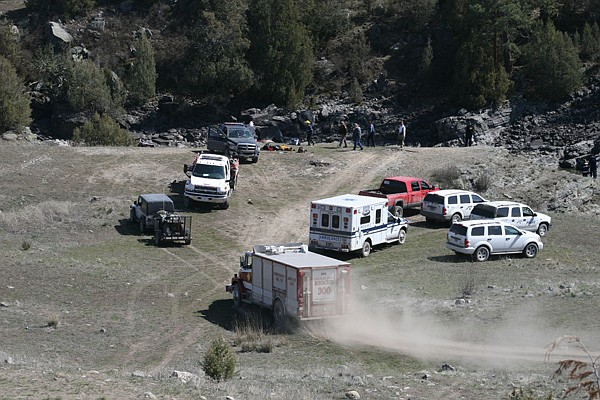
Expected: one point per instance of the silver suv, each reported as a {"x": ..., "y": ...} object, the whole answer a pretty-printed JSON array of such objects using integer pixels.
[
  {"x": 449, "y": 205},
  {"x": 481, "y": 238},
  {"x": 517, "y": 214}
]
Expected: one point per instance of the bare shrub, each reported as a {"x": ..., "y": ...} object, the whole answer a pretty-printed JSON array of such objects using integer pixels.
[
  {"x": 585, "y": 376},
  {"x": 250, "y": 335},
  {"x": 34, "y": 216},
  {"x": 446, "y": 177},
  {"x": 521, "y": 394},
  {"x": 482, "y": 183},
  {"x": 25, "y": 245}
]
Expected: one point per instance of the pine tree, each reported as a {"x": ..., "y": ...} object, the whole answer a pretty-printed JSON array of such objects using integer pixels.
[
  {"x": 141, "y": 81},
  {"x": 86, "y": 87},
  {"x": 552, "y": 64},
  {"x": 281, "y": 51},
  {"x": 590, "y": 42},
  {"x": 15, "y": 110},
  {"x": 217, "y": 66}
]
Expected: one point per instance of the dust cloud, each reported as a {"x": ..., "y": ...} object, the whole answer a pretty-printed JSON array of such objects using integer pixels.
[{"x": 519, "y": 338}]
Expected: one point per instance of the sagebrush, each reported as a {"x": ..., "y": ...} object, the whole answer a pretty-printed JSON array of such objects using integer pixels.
[{"x": 219, "y": 361}]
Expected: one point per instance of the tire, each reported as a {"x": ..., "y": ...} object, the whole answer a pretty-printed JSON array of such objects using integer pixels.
[
  {"x": 279, "y": 315},
  {"x": 402, "y": 236},
  {"x": 398, "y": 211},
  {"x": 132, "y": 215},
  {"x": 455, "y": 218},
  {"x": 542, "y": 230},
  {"x": 224, "y": 206},
  {"x": 254, "y": 160},
  {"x": 142, "y": 226},
  {"x": 531, "y": 250},
  {"x": 157, "y": 237},
  {"x": 481, "y": 254},
  {"x": 237, "y": 296},
  {"x": 366, "y": 249},
  {"x": 188, "y": 241},
  {"x": 187, "y": 203},
  {"x": 429, "y": 221}
]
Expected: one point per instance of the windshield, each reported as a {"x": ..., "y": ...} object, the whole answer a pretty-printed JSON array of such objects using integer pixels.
[
  {"x": 239, "y": 133},
  {"x": 209, "y": 171}
]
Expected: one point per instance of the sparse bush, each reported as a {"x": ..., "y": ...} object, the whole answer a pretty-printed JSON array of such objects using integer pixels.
[
  {"x": 25, "y": 245},
  {"x": 521, "y": 394},
  {"x": 15, "y": 111},
  {"x": 219, "y": 360},
  {"x": 251, "y": 336},
  {"x": 355, "y": 92},
  {"x": 482, "y": 183},
  {"x": 446, "y": 176},
  {"x": 68, "y": 8},
  {"x": 53, "y": 321},
  {"x": 102, "y": 130}
]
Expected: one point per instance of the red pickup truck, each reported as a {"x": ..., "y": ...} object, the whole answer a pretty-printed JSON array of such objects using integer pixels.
[{"x": 402, "y": 192}]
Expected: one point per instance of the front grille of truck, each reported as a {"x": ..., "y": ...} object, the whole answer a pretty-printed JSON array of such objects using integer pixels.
[
  {"x": 205, "y": 190},
  {"x": 246, "y": 148}
]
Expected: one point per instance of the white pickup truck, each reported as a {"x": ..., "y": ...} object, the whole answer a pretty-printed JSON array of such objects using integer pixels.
[
  {"x": 212, "y": 180},
  {"x": 293, "y": 282}
]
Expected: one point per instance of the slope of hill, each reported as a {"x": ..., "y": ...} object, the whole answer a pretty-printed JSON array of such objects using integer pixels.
[{"x": 90, "y": 309}]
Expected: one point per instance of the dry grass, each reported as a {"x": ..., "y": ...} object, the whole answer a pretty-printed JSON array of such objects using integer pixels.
[{"x": 125, "y": 305}]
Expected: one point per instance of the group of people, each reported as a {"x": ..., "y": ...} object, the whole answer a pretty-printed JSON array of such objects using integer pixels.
[{"x": 357, "y": 134}]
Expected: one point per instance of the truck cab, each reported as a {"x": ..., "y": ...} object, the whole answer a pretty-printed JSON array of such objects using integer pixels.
[
  {"x": 354, "y": 223},
  {"x": 402, "y": 192},
  {"x": 212, "y": 180},
  {"x": 234, "y": 138}
]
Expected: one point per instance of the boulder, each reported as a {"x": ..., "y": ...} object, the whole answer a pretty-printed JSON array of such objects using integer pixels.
[{"x": 58, "y": 34}]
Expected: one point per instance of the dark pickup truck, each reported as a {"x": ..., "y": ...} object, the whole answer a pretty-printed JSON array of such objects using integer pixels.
[{"x": 402, "y": 192}]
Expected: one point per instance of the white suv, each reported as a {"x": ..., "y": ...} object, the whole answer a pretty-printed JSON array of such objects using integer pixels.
[
  {"x": 517, "y": 214},
  {"x": 449, "y": 205},
  {"x": 481, "y": 238}
]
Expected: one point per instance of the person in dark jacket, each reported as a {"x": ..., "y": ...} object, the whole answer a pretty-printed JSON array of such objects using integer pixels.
[
  {"x": 593, "y": 166},
  {"x": 469, "y": 134},
  {"x": 309, "y": 133},
  {"x": 343, "y": 132}
]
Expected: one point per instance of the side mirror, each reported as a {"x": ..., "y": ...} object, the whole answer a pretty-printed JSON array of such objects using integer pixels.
[
  {"x": 135, "y": 203},
  {"x": 535, "y": 214}
]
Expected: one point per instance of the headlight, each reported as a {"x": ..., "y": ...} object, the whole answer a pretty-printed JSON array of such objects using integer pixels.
[{"x": 188, "y": 185}]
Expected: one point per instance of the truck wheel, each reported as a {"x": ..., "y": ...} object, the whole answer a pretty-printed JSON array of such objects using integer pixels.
[
  {"x": 254, "y": 160},
  {"x": 142, "y": 226},
  {"x": 455, "y": 218},
  {"x": 401, "y": 236},
  {"x": 279, "y": 315},
  {"x": 366, "y": 249},
  {"x": 187, "y": 203},
  {"x": 481, "y": 254},
  {"x": 132, "y": 215},
  {"x": 530, "y": 250},
  {"x": 542, "y": 230},
  {"x": 157, "y": 237},
  {"x": 398, "y": 210},
  {"x": 237, "y": 296},
  {"x": 224, "y": 206}
]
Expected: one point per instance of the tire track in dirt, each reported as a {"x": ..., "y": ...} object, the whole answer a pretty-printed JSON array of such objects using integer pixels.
[{"x": 176, "y": 344}]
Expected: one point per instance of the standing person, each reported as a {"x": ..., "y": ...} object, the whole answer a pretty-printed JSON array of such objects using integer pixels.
[
  {"x": 371, "y": 135},
  {"x": 585, "y": 167},
  {"x": 469, "y": 134},
  {"x": 309, "y": 133},
  {"x": 356, "y": 134},
  {"x": 401, "y": 133},
  {"x": 593, "y": 166},
  {"x": 343, "y": 132}
]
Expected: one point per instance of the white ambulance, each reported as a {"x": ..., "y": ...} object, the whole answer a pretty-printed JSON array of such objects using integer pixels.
[{"x": 352, "y": 222}]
